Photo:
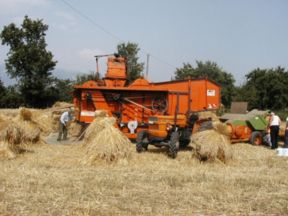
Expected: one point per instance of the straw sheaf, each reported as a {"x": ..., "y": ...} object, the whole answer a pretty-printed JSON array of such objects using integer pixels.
[
  {"x": 60, "y": 104},
  {"x": 221, "y": 128},
  {"x": 25, "y": 114},
  {"x": 101, "y": 113},
  {"x": 6, "y": 152},
  {"x": 20, "y": 133},
  {"x": 211, "y": 145},
  {"x": 105, "y": 142},
  {"x": 207, "y": 114}
]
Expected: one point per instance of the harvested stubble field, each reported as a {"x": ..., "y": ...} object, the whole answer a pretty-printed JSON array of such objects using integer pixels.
[{"x": 52, "y": 179}]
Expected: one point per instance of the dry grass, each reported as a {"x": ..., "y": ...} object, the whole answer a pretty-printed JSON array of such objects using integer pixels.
[
  {"x": 55, "y": 183},
  {"x": 52, "y": 180}
]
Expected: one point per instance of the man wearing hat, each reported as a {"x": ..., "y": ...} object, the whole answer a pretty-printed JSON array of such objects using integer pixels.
[{"x": 65, "y": 118}]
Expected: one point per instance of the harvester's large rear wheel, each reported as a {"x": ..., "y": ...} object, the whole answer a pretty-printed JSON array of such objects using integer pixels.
[
  {"x": 173, "y": 146},
  {"x": 256, "y": 138},
  {"x": 142, "y": 141},
  {"x": 184, "y": 137}
]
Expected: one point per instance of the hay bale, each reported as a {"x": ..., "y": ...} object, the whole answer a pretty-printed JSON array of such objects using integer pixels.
[
  {"x": 100, "y": 113},
  {"x": 25, "y": 114},
  {"x": 30, "y": 132},
  {"x": 211, "y": 145},
  {"x": 12, "y": 134},
  {"x": 3, "y": 125},
  {"x": 60, "y": 104},
  {"x": 75, "y": 129},
  {"x": 282, "y": 129},
  {"x": 105, "y": 142},
  {"x": 43, "y": 120},
  {"x": 97, "y": 126},
  {"x": 207, "y": 115},
  {"x": 221, "y": 128},
  {"x": 20, "y": 133},
  {"x": 6, "y": 152}
]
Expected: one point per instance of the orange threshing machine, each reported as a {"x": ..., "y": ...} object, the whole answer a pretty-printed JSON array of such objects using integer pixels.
[{"x": 144, "y": 110}]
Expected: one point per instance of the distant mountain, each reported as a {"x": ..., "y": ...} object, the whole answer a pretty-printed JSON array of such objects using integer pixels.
[
  {"x": 58, "y": 72},
  {"x": 65, "y": 74}
]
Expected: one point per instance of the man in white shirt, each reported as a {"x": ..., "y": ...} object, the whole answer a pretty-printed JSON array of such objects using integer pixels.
[
  {"x": 275, "y": 122},
  {"x": 63, "y": 123}
]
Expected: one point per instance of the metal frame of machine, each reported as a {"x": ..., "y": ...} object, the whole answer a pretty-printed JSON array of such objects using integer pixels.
[{"x": 136, "y": 104}]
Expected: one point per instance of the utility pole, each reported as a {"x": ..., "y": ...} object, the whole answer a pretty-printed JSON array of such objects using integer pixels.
[
  {"x": 147, "y": 66},
  {"x": 97, "y": 68}
]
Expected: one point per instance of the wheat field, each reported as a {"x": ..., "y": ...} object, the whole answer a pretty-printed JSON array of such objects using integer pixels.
[{"x": 51, "y": 180}]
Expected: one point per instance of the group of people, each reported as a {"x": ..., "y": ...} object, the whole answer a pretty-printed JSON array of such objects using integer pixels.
[{"x": 273, "y": 130}]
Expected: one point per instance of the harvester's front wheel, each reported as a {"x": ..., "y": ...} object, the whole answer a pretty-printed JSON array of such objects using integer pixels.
[
  {"x": 173, "y": 145},
  {"x": 142, "y": 141},
  {"x": 256, "y": 138}
]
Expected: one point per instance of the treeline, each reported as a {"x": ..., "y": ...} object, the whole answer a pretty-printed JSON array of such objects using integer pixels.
[{"x": 262, "y": 88}]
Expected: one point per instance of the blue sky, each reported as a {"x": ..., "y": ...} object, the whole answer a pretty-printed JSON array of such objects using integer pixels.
[{"x": 238, "y": 35}]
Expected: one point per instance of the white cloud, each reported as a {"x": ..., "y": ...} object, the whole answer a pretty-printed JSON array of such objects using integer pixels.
[
  {"x": 89, "y": 54},
  {"x": 8, "y": 7}
]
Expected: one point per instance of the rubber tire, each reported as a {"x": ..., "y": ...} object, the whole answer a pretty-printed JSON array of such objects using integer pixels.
[
  {"x": 173, "y": 145},
  {"x": 139, "y": 141},
  {"x": 256, "y": 135},
  {"x": 184, "y": 138},
  {"x": 184, "y": 144}
]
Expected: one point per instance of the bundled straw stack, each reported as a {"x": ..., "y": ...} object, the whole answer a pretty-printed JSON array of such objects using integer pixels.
[
  {"x": 6, "y": 151},
  {"x": 208, "y": 114},
  {"x": 15, "y": 134},
  {"x": 103, "y": 141},
  {"x": 211, "y": 145},
  {"x": 10, "y": 140}
]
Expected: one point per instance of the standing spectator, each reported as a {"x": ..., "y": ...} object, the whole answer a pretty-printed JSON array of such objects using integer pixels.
[
  {"x": 286, "y": 133},
  {"x": 275, "y": 122},
  {"x": 65, "y": 118}
]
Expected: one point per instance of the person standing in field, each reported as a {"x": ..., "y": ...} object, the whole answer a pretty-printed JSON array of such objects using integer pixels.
[
  {"x": 286, "y": 133},
  {"x": 275, "y": 122},
  {"x": 65, "y": 118}
]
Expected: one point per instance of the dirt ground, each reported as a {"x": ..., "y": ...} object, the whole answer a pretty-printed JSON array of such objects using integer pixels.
[{"x": 49, "y": 179}]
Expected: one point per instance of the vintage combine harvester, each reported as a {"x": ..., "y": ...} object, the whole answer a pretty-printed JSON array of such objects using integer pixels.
[{"x": 161, "y": 113}]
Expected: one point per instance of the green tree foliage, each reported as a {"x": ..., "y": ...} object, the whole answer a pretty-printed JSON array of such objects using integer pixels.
[
  {"x": 81, "y": 78},
  {"x": 29, "y": 61},
  {"x": 265, "y": 89},
  {"x": 130, "y": 51},
  {"x": 2, "y": 93},
  {"x": 10, "y": 98},
  {"x": 63, "y": 89},
  {"x": 213, "y": 72}
]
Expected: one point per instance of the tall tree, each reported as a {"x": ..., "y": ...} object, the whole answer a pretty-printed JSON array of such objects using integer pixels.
[
  {"x": 211, "y": 71},
  {"x": 28, "y": 60},
  {"x": 269, "y": 88},
  {"x": 81, "y": 78},
  {"x": 2, "y": 90},
  {"x": 130, "y": 51}
]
